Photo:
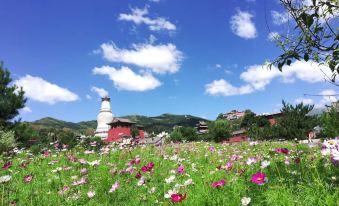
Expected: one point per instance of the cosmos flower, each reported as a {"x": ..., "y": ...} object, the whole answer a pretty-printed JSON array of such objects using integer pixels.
[
  {"x": 82, "y": 181},
  {"x": 218, "y": 184},
  {"x": 7, "y": 165},
  {"x": 72, "y": 158},
  {"x": 63, "y": 190},
  {"x": 114, "y": 187},
  {"x": 282, "y": 151},
  {"x": 251, "y": 161},
  {"x": 90, "y": 194},
  {"x": 188, "y": 182},
  {"x": 5, "y": 178},
  {"x": 265, "y": 164},
  {"x": 181, "y": 169},
  {"x": 82, "y": 161},
  {"x": 28, "y": 178},
  {"x": 245, "y": 201},
  {"x": 95, "y": 163},
  {"x": 259, "y": 178},
  {"x": 229, "y": 166},
  {"x": 148, "y": 167},
  {"x": 170, "y": 179},
  {"x": 178, "y": 197},
  {"x": 83, "y": 171},
  {"x": 141, "y": 181}
]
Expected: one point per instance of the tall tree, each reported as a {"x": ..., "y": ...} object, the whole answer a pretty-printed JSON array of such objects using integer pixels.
[
  {"x": 312, "y": 36},
  {"x": 295, "y": 122},
  {"x": 11, "y": 98},
  {"x": 219, "y": 130},
  {"x": 330, "y": 122}
]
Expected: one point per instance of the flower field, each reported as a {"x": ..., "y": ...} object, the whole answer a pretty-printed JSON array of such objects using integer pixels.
[{"x": 249, "y": 173}]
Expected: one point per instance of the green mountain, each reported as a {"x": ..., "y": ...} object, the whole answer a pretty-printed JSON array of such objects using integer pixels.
[{"x": 164, "y": 122}]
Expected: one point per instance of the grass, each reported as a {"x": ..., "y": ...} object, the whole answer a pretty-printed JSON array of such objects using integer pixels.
[{"x": 313, "y": 181}]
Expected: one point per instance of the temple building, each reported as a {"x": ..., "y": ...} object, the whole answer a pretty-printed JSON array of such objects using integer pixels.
[
  {"x": 104, "y": 117},
  {"x": 110, "y": 128}
]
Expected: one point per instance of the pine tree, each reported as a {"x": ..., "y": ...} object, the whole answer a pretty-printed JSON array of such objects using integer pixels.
[{"x": 11, "y": 98}]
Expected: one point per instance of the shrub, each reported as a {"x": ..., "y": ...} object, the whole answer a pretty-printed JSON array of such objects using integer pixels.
[{"x": 7, "y": 141}]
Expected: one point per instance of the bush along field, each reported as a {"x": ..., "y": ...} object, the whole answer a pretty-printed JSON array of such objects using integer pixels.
[{"x": 200, "y": 173}]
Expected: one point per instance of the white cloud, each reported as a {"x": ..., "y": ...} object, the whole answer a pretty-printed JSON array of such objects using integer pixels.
[
  {"x": 218, "y": 66},
  {"x": 159, "y": 58},
  {"x": 100, "y": 91},
  {"x": 304, "y": 100},
  {"x": 223, "y": 88},
  {"x": 156, "y": 1},
  {"x": 279, "y": 18},
  {"x": 41, "y": 90},
  {"x": 243, "y": 26},
  {"x": 328, "y": 98},
  {"x": 139, "y": 16},
  {"x": 88, "y": 96},
  {"x": 26, "y": 110},
  {"x": 272, "y": 36},
  {"x": 257, "y": 77},
  {"x": 126, "y": 79}
]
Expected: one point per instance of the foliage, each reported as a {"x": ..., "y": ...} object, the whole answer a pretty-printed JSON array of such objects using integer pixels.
[
  {"x": 330, "y": 122},
  {"x": 92, "y": 143},
  {"x": 7, "y": 141},
  {"x": 134, "y": 131},
  {"x": 219, "y": 130},
  {"x": 220, "y": 116},
  {"x": 183, "y": 133},
  {"x": 251, "y": 119},
  {"x": 11, "y": 98},
  {"x": 313, "y": 37},
  {"x": 295, "y": 123},
  {"x": 266, "y": 132}
]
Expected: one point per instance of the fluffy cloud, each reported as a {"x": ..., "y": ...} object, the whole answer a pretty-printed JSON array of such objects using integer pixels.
[
  {"x": 26, "y": 110},
  {"x": 159, "y": 58},
  {"x": 328, "y": 98},
  {"x": 223, "y": 88},
  {"x": 100, "y": 91},
  {"x": 41, "y": 90},
  {"x": 243, "y": 26},
  {"x": 279, "y": 18},
  {"x": 126, "y": 79},
  {"x": 257, "y": 77},
  {"x": 88, "y": 96},
  {"x": 139, "y": 16},
  {"x": 304, "y": 100}
]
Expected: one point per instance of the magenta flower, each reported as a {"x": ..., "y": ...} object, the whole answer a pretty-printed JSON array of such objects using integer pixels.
[
  {"x": 259, "y": 178},
  {"x": 134, "y": 161},
  {"x": 211, "y": 149},
  {"x": 178, "y": 197},
  {"x": 72, "y": 158},
  {"x": 181, "y": 169},
  {"x": 148, "y": 167},
  {"x": 282, "y": 150},
  {"x": 82, "y": 181},
  {"x": 28, "y": 178},
  {"x": 114, "y": 187},
  {"x": 7, "y": 165},
  {"x": 218, "y": 184},
  {"x": 46, "y": 153},
  {"x": 138, "y": 175}
]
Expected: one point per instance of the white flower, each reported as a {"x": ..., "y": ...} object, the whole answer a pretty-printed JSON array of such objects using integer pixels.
[
  {"x": 152, "y": 190},
  {"x": 5, "y": 178},
  {"x": 245, "y": 201},
  {"x": 188, "y": 182},
  {"x": 90, "y": 194},
  {"x": 170, "y": 193},
  {"x": 330, "y": 144},
  {"x": 170, "y": 179},
  {"x": 174, "y": 157},
  {"x": 251, "y": 161},
  {"x": 265, "y": 164}
]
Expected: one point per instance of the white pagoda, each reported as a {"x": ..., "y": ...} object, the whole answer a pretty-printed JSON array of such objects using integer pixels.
[{"x": 104, "y": 117}]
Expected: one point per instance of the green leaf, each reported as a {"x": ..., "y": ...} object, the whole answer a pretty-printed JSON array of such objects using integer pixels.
[
  {"x": 306, "y": 57},
  {"x": 288, "y": 62}
]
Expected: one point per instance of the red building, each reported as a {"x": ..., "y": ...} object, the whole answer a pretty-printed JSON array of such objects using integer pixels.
[{"x": 121, "y": 128}]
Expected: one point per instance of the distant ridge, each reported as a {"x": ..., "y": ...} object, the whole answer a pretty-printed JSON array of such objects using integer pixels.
[{"x": 164, "y": 122}]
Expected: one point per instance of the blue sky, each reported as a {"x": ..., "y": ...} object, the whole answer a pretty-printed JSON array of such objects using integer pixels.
[{"x": 151, "y": 57}]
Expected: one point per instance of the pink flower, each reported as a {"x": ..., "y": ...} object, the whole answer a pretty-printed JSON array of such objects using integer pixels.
[
  {"x": 181, "y": 169},
  {"x": 211, "y": 149},
  {"x": 72, "y": 158},
  {"x": 138, "y": 175},
  {"x": 63, "y": 190},
  {"x": 82, "y": 181},
  {"x": 282, "y": 150},
  {"x": 28, "y": 178},
  {"x": 130, "y": 169},
  {"x": 235, "y": 157},
  {"x": 218, "y": 184},
  {"x": 115, "y": 186},
  {"x": 178, "y": 197},
  {"x": 134, "y": 161},
  {"x": 82, "y": 161},
  {"x": 148, "y": 167},
  {"x": 83, "y": 171},
  {"x": 229, "y": 166},
  {"x": 259, "y": 178},
  {"x": 46, "y": 153},
  {"x": 7, "y": 165}
]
